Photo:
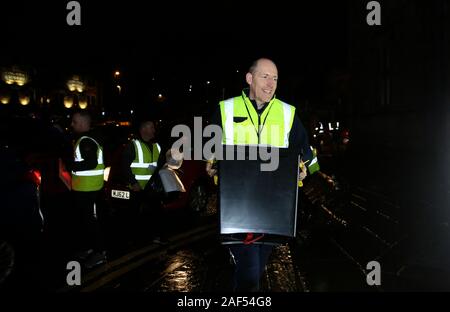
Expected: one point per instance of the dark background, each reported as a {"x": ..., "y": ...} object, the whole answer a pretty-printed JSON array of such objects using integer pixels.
[
  {"x": 180, "y": 43},
  {"x": 389, "y": 84}
]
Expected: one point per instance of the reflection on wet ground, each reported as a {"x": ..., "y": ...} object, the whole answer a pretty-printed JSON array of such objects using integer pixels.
[
  {"x": 340, "y": 231},
  {"x": 354, "y": 226},
  {"x": 202, "y": 265},
  {"x": 190, "y": 271},
  {"x": 184, "y": 273},
  {"x": 282, "y": 274}
]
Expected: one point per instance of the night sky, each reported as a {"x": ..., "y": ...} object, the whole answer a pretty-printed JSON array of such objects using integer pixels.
[
  {"x": 179, "y": 43},
  {"x": 176, "y": 35}
]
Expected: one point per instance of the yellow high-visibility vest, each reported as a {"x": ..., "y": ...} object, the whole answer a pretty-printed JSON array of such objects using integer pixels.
[
  {"x": 241, "y": 124},
  {"x": 88, "y": 180},
  {"x": 145, "y": 161}
]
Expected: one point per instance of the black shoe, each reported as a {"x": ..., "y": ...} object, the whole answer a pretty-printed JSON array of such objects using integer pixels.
[
  {"x": 95, "y": 259},
  {"x": 83, "y": 255},
  {"x": 160, "y": 241}
]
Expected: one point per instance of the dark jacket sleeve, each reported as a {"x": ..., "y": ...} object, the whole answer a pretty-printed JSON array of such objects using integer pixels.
[
  {"x": 162, "y": 155},
  {"x": 127, "y": 158},
  {"x": 299, "y": 141},
  {"x": 88, "y": 151},
  {"x": 216, "y": 118}
]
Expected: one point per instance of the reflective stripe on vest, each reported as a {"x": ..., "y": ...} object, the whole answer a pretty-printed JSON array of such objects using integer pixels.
[
  {"x": 78, "y": 153},
  {"x": 314, "y": 165},
  {"x": 145, "y": 162},
  {"x": 88, "y": 180},
  {"x": 271, "y": 128},
  {"x": 228, "y": 127},
  {"x": 89, "y": 173},
  {"x": 140, "y": 177}
]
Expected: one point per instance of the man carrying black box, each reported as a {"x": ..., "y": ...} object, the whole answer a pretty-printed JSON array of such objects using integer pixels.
[{"x": 257, "y": 119}]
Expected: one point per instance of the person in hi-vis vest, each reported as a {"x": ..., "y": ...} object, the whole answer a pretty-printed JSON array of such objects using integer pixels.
[
  {"x": 87, "y": 182},
  {"x": 139, "y": 163},
  {"x": 141, "y": 157},
  {"x": 247, "y": 120}
]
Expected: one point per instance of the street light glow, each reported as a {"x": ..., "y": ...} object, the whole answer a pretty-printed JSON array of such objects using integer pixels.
[
  {"x": 24, "y": 100},
  {"x": 15, "y": 76},
  {"x": 4, "y": 99},
  {"x": 68, "y": 102},
  {"x": 82, "y": 103},
  {"x": 117, "y": 73},
  {"x": 75, "y": 84}
]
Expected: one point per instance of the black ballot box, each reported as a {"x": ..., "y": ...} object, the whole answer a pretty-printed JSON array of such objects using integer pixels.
[{"x": 257, "y": 201}]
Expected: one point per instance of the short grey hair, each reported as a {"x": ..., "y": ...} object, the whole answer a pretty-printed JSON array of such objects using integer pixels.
[{"x": 254, "y": 65}]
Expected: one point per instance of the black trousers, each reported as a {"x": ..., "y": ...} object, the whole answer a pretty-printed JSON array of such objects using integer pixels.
[
  {"x": 250, "y": 262},
  {"x": 144, "y": 216},
  {"x": 89, "y": 212},
  {"x": 131, "y": 216}
]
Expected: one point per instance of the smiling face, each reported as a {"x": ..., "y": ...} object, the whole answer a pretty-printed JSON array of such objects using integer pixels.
[{"x": 263, "y": 81}]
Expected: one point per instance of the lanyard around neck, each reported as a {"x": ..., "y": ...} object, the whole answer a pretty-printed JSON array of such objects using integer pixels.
[{"x": 261, "y": 126}]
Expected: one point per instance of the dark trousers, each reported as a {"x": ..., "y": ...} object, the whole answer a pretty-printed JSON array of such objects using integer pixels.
[
  {"x": 132, "y": 216},
  {"x": 89, "y": 211},
  {"x": 250, "y": 262},
  {"x": 143, "y": 216},
  {"x": 154, "y": 215}
]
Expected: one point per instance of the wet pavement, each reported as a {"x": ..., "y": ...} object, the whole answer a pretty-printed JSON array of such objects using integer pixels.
[
  {"x": 194, "y": 261},
  {"x": 343, "y": 225},
  {"x": 363, "y": 216}
]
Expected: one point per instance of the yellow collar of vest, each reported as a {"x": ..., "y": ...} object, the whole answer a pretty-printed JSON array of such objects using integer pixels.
[{"x": 247, "y": 100}]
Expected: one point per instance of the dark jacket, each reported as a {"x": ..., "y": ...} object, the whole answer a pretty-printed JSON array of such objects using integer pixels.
[{"x": 88, "y": 150}]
